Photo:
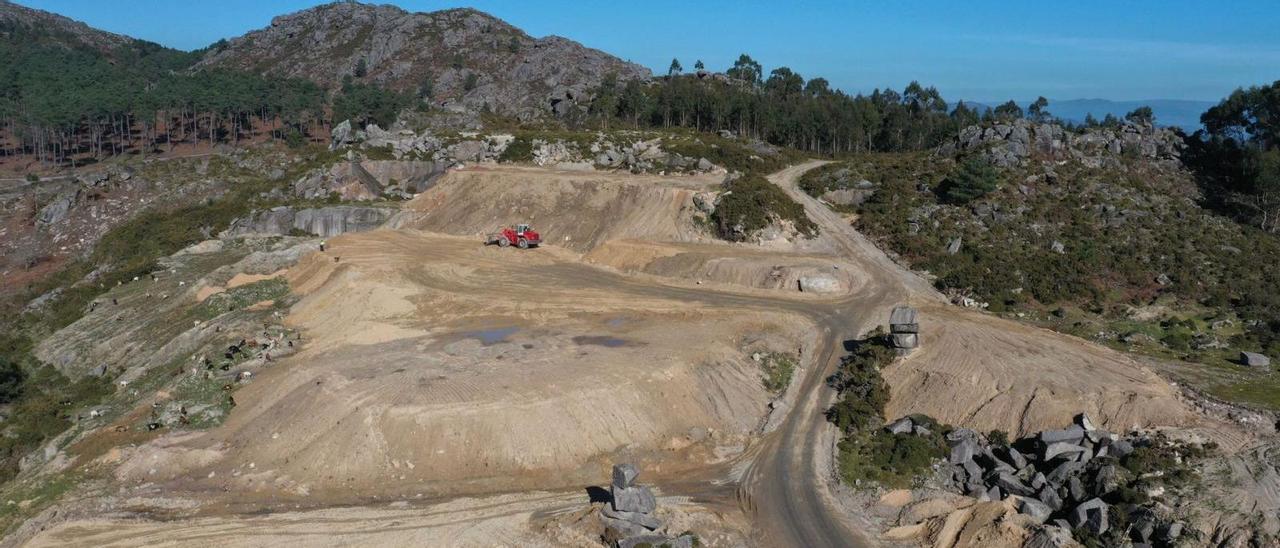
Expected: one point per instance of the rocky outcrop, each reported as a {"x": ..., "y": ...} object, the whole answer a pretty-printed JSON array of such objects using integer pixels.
[
  {"x": 324, "y": 222},
  {"x": 472, "y": 59},
  {"x": 58, "y": 209},
  {"x": 370, "y": 179},
  {"x": 639, "y": 156},
  {"x": 1017, "y": 142}
]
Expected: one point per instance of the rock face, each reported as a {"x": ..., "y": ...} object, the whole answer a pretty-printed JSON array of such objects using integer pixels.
[
  {"x": 325, "y": 222},
  {"x": 510, "y": 71},
  {"x": 1014, "y": 143},
  {"x": 370, "y": 179}
]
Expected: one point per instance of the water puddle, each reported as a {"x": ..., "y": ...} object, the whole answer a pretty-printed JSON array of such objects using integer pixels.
[
  {"x": 601, "y": 340},
  {"x": 491, "y": 336}
]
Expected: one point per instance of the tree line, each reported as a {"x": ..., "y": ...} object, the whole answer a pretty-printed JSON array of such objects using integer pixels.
[{"x": 782, "y": 108}]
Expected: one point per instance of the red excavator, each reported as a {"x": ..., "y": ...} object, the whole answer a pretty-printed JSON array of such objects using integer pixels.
[{"x": 522, "y": 236}]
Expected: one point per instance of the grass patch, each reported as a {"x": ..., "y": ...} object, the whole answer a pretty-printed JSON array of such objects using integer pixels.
[
  {"x": 778, "y": 370},
  {"x": 238, "y": 298}
]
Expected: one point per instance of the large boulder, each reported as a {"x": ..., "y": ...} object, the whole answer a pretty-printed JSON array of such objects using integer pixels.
[
  {"x": 624, "y": 475},
  {"x": 819, "y": 283},
  {"x": 634, "y": 499},
  {"x": 341, "y": 135},
  {"x": 1254, "y": 359},
  {"x": 1091, "y": 515}
]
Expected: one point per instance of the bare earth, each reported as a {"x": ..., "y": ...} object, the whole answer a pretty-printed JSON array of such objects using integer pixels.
[{"x": 478, "y": 390}]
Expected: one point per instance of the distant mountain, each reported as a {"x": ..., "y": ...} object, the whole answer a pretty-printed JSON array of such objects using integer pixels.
[
  {"x": 1169, "y": 112},
  {"x": 460, "y": 54},
  {"x": 1179, "y": 113}
]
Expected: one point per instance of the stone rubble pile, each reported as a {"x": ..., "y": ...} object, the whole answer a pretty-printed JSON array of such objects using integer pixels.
[
  {"x": 631, "y": 512},
  {"x": 1060, "y": 478}
]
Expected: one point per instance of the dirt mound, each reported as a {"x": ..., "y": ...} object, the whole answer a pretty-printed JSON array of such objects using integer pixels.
[
  {"x": 1020, "y": 379},
  {"x": 576, "y": 210}
]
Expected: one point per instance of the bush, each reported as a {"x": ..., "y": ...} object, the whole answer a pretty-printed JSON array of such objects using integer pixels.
[
  {"x": 862, "y": 391},
  {"x": 294, "y": 139},
  {"x": 892, "y": 460},
  {"x": 751, "y": 203},
  {"x": 972, "y": 179},
  {"x": 519, "y": 150}
]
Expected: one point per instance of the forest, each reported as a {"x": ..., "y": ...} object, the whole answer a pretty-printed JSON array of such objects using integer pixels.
[{"x": 60, "y": 101}]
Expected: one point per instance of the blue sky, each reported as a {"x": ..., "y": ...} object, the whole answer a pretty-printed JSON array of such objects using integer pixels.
[{"x": 974, "y": 49}]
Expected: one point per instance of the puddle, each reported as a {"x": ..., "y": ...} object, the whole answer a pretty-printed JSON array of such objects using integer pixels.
[
  {"x": 491, "y": 336},
  {"x": 616, "y": 322},
  {"x": 601, "y": 340}
]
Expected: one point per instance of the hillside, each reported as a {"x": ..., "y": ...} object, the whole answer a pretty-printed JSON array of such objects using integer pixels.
[
  {"x": 1102, "y": 234},
  {"x": 56, "y": 29},
  {"x": 458, "y": 55}
]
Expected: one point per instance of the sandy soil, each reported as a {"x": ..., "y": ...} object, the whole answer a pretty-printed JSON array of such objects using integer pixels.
[{"x": 1022, "y": 379}]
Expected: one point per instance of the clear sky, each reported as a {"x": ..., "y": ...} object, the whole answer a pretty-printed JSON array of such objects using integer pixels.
[{"x": 972, "y": 49}]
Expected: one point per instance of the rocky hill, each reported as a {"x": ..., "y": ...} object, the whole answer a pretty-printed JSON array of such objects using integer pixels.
[
  {"x": 57, "y": 29},
  {"x": 463, "y": 56}
]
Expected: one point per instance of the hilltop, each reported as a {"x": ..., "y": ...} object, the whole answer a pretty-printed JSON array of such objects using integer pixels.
[{"x": 455, "y": 56}]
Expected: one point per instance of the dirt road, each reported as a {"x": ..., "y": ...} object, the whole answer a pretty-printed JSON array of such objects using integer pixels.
[{"x": 787, "y": 485}]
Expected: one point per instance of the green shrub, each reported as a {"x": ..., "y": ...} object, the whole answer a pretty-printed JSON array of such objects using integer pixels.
[
  {"x": 862, "y": 391},
  {"x": 972, "y": 179},
  {"x": 519, "y": 150},
  {"x": 750, "y": 203},
  {"x": 891, "y": 460},
  {"x": 294, "y": 139}
]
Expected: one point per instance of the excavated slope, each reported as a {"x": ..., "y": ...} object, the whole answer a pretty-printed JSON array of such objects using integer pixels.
[{"x": 575, "y": 210}]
